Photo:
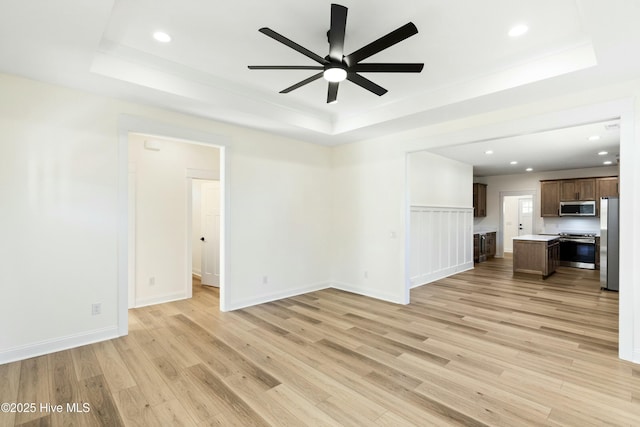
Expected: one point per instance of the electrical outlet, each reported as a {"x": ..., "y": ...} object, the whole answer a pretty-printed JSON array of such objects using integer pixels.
[
  {"x": 366, "y": 274},
  {"x": 96, "y": 309},
  {"x": 265, "y": 280},
  {"x": 152, "y": 281}
]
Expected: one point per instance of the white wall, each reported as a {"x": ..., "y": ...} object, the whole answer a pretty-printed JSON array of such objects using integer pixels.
[
  {"x": 59, "y": 176},
  {"x": 59, "y": 220},
  {"x": 278, "y": 219},
  {"x": 162, "y": 197},
  {"x": 438, "y": 181}
]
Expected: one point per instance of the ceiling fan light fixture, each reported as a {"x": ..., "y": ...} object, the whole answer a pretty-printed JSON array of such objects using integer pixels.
[
  {"x": 518, "y": 30},
  {"x": 335, "y": 74},
  {"x": 162, "y": 37}
]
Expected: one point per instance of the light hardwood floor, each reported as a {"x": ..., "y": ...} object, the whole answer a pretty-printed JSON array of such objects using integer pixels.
[{"x": 480, "y": 348}]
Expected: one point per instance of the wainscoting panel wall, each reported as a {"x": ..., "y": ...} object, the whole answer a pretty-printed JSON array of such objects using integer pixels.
[{"x": 441, "y": 242}]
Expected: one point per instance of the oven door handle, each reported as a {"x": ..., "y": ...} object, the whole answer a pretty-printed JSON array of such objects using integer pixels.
[{"x": 585, "y": 241}]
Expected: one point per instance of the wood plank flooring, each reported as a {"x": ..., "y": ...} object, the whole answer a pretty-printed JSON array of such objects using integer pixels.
[{"x": 479, "y": 348}]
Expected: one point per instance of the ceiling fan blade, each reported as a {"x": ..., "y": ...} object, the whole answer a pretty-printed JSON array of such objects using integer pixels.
[
  {"x": 387, "y": 68},
  {"x": 336, "y": 32},
  {"x": 285, "y": 67},
  {"x": 293, "y": 45},
  {"x": 382, "y": 43},
  {"x": 332, "y": 93},
  {"x": 366, "y": 84},
  {"x": 302, "y": 83}
]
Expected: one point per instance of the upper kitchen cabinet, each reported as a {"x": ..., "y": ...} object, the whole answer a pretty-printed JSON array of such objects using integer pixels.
[
  {"x": 577, "y": 189},
  {"x": 479, "y": 200},
  {"x": 607, "y": 187},
  {"x": 552, "y": 192},
  {"x": 549, "y": 198}
]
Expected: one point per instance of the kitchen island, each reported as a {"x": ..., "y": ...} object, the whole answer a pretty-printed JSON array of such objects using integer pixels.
[{"x": 536, "y": 254}]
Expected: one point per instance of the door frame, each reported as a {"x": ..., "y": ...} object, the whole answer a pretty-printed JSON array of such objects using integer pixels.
[
  {"x": 128, "y": 124},
  {"x": 502, "y": 194}
]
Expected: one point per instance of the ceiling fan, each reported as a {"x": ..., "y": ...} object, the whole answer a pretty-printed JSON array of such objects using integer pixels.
[{"x": 337, "y": 67}]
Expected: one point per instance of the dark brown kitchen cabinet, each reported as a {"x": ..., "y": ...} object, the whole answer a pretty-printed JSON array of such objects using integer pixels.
[
  {"x": 479, "y": 200},
  {"x": 606, "y": 187},
  {"x": 484, "y": 246},
  {"x": 577, "y": 189},
  {"x": 549, "y": 198},
  {"x": 491, "y": 245},
  {"x": 536, "y": 256}
]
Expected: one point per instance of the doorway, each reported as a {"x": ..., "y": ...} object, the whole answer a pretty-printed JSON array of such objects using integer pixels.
[
  {"x": 516, "y": 217},
  {"x": 160, "y": 180},
  {"x": 205, "y": 226}
]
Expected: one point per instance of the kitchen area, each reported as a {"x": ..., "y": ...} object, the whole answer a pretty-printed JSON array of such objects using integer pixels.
[{"x": 576, "y": 227}]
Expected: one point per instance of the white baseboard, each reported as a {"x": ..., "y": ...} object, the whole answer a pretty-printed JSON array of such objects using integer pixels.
[
  {"x": 143, "y": 302},
  {"x": 197, "y": 274},
  {"x": 58, "y": 344},
  {"x": 354, "y": 289},
  {"x": 235, "y": 305},
  {"x": 441, "y": 274}
]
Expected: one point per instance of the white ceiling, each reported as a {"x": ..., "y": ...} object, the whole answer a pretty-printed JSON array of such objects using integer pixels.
[
  {"x": 559, "y": 149},
  {"x": 471, "y": 65}
]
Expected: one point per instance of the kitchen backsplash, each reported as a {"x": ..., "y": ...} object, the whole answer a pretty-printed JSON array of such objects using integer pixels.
[{"x": 565, "y": 224}]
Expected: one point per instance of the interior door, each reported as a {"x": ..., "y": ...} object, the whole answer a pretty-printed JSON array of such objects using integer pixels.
[
  {"x": 525, "y": 216},
  {"x": 210, "y": 240}
]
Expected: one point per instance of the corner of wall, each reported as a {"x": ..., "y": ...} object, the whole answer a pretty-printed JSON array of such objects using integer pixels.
[
  {"x": 261, "y": 299},
  {"x": 58, "y": 344},
  {"x": 346, "y": 287}
]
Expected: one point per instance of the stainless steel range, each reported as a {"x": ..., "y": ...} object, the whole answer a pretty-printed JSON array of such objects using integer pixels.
[{"x": 578, "y": 250}]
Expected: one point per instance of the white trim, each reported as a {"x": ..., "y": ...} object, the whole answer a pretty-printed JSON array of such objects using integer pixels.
[
  {"x": 629, "y": 293},
  {"x": 277, "y": 296},
  {"x": 161, "y": 299},
  {"x": 425, "y": 279},
  {"x": 354, "y": 289},
  {"x": 202, "y": 174},
  {"x": 58, "y": 344},
  {"x": 438, "y": 207},
  {"x": 407, "y": 230}
]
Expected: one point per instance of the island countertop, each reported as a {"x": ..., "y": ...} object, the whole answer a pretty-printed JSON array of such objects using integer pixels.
[{"x": 536, "y": 237}]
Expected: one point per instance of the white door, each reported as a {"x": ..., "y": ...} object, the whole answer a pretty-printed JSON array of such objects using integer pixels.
[
  {"x": 525, "y": 216},
  {"x": 210, "y": 240}
]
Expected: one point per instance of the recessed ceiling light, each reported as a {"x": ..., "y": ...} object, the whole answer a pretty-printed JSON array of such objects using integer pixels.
[
  {"x": 603, "y": 153},
  {"x": 513, "y": 163},
  {"x": 529, "y": 169},
  {"x": 488, "y": 152},
  {"x": 518, "y": 30},
  {"x": 162, "y": 37},
  {"x": 594, "y": 137},
  {"x": 608, "y": 162}
]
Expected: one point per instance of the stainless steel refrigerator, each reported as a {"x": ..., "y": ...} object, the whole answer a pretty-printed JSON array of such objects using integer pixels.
[{"x": 609, "y": 243}]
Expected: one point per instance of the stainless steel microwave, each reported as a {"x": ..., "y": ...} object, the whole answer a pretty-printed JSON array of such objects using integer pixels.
[{"x": 578, "y": 208}]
